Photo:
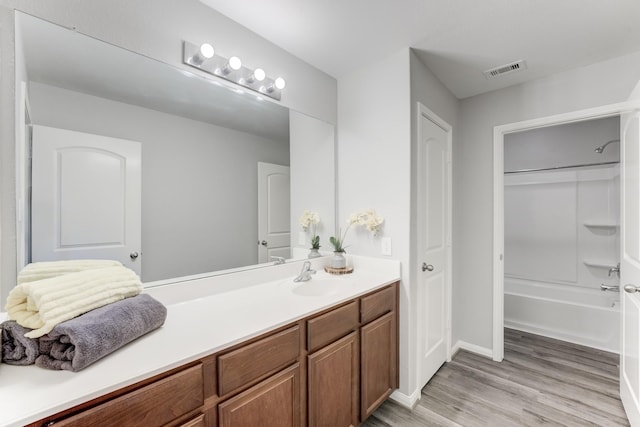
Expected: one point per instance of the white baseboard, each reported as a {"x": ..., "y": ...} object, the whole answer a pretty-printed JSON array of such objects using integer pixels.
[
  {"x": 463, "y": 345},
  {"x": 408, "y": 401}
]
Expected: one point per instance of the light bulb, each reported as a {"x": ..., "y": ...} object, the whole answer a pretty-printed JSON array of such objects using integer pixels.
[
  {"x": 259, "y": 74},
  {"x": 235, "y": 63},
  {"x": 279, "y": 84},
  {"x": 206, "y": 51}
]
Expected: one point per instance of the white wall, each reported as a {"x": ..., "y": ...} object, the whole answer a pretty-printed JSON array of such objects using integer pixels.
[
  {"x": 199, "y": 181},
  {"x": 598, "y": 84},
  {"x": 155, "y": 28},
  {"x": 377, "y": 132},
  {"x": 312, "y": 153},
  {"x": 548, "y": 232},
  {"x": 562, "y": 145},
  {"x": 374, "y": 149}
]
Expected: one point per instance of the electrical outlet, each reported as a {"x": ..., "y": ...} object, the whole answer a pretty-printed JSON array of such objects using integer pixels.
[
  {"x": 302, "y": 238},
  {"x": 385, "y": 246}
]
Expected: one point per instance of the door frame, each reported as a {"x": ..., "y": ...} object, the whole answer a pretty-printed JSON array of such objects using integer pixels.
[
  {"x": 23, "y": 153},
  {"x": 423, "y": 111},
  {"x": 498, "y": 197}
]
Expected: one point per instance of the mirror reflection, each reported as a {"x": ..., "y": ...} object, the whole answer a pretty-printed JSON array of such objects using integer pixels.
[{"x": 172, "y": 173}]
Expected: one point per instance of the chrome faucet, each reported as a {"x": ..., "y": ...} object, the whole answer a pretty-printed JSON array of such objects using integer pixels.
[
  {"x": 278, "y": 260},
  {"x": 305, "y": 274}
]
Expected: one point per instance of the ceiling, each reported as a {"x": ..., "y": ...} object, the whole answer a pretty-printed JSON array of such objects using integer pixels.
[{"x": 456, "y": 39}]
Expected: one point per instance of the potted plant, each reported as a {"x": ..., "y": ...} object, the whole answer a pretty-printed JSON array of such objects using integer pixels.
[
  {"x": 369, "y": 219},
  {"x": 309, "y": 221}
]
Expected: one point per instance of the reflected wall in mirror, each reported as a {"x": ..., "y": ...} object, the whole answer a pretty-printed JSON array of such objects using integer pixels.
[{"x": 201, "y": 142}]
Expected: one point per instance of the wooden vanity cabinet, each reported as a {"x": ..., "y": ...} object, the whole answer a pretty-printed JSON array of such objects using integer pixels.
[
  {"x": 333, "y": 384},
  {"x": 378, "y": 349},
  {"x": 331, "y": 369},
  {"x": 273, "y": 402},
  {"x": 353, "y": 359},
  {"x": 270, "y": 368},
  {"x": 252, "y": 362},
  {"x": 173, "y": 400},
  {"x": 378, "y": 365}
]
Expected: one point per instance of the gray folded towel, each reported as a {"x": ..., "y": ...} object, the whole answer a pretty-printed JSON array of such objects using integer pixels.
[
  {"x": 77, "y": 343},
  {"x": 16, "y": 348}
]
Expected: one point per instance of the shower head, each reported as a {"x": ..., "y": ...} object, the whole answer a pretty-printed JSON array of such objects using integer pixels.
[{"x": 601, "y": 148}]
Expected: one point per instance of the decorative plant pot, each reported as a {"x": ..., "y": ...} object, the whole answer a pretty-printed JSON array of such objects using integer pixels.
[
  {"x": 338, "y": 260},
  {"x": 313, "y": 253}
]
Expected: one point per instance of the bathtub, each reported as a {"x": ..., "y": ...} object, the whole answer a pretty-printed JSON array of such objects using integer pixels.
[{"x": 583, "y": 316}]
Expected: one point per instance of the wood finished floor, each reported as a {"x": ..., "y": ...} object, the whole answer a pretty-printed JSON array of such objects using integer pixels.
[{"x": 541, "y": 381}]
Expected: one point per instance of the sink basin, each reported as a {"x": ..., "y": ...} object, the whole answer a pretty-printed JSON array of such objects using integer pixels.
[{"x": 319, "y": 287}]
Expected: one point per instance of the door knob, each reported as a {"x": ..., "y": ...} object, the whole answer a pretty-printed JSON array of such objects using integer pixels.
[
  {"x": 631, "y": 289},
  {"x": 133, "y": 255},
  {"x": 427, "y": 267},
  {"x": 264, "y": 243}
]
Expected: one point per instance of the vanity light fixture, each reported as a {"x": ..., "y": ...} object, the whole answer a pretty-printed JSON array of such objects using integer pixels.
[{"x": 203, "y": 57}]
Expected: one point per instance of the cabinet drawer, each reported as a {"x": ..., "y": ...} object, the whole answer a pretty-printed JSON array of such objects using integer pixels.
[
  {"x": 153, "y": 405},
  {"x": 251, "y": 362},
  {"x": 328, "y": 327},
  {"x": 375, "y": 305}
]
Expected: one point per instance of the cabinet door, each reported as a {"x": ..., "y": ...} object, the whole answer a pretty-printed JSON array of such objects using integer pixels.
[
  {"x": 333, "y": 384},
  {"x": 275, "y": 402},
  {"x": 197, "y": 421},
  {"x": 378, "y": 362}
]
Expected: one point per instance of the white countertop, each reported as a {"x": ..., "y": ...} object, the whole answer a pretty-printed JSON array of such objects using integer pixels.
[{"x": 204, "y": 316}]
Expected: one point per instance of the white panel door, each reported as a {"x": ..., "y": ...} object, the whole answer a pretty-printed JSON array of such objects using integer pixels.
[
  {"x": 85, "y": 197},
  {"x": 630, "y": 266},
  {"x": 274, "y": 228},
  {"x": 434, "y": 242}
]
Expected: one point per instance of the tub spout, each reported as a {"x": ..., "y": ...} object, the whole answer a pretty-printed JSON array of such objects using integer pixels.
[{"x": 612, "y": 288}]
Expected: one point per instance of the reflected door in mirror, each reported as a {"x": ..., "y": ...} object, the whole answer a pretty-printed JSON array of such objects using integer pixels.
[
  {"x": 85, "y": 197},
  {"x": 274, "y": 230}
]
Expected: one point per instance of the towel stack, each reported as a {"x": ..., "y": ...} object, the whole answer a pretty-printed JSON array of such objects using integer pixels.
[{"x": 47, "y": 309}]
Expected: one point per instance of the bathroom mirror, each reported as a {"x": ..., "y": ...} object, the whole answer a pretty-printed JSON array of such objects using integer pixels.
[{"x": 201, "y": 141}]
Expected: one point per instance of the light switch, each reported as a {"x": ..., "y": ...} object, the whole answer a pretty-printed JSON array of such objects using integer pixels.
[
  {"x": 385, "y": 244},
  {"x": 302, "y": 238}
]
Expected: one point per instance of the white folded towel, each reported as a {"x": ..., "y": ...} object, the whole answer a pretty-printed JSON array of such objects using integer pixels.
[
  {"x": 44, "y": 270},
  {"x": 42, "y": 304}
]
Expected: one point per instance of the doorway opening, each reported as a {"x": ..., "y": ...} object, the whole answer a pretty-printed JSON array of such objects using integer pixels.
[
  {"x": 501, "y": 133},
  {"x": 561, "y": 232}
]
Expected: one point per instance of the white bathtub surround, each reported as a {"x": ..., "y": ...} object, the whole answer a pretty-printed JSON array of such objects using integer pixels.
[
  {"x": 582, "y": 316},
  {"x": 205, "y": 315},
  {"x": 561, "y": 240}
]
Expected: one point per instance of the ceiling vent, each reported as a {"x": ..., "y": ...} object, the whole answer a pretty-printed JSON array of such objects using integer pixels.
[{"x": 505, "y": 69}]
